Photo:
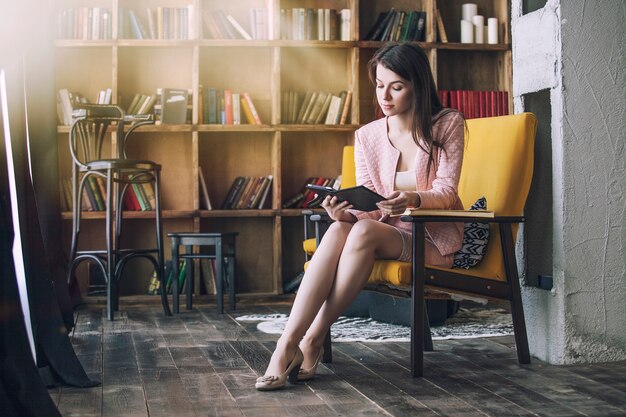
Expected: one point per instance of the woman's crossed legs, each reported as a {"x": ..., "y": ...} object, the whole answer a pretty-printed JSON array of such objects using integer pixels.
[{"x": 336, "y": 274}]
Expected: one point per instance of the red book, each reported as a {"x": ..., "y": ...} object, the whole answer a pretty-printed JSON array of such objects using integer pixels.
[
  {"x": 228, "y": 106},
  {"x": 465, "y": 103},
  {"x": 453, "y": 101},
  {"x": 459, "y": 100},
  {"x": 476, "y": 103},
  {"x": 504, "y": 108},
  {"x": 443, "y": 96},
  {"x": 130, "y": 200},
  {"x": 311, "y": 195},
  {"x": 493, "y": 97},
  {"x": 470, "y": 105},
  {"x": 481, "y": 104}
]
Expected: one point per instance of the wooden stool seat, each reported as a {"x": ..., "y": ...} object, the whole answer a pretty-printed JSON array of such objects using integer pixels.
[{"x": 223, "y": 245}]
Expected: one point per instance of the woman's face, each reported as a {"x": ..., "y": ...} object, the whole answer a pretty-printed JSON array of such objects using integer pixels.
[{"x": 393, "y": 92}]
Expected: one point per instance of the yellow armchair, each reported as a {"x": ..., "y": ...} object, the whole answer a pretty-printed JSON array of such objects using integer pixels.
[{"x": 497, "y": 164}]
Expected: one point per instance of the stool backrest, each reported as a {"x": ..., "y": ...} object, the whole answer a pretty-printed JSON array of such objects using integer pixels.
[{"x": 89, "y": 130}]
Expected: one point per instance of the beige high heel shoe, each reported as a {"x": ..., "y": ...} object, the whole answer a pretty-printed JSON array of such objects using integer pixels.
[
  {"x": 308, "y": 374},
  {"x": 272, "y": 382}
]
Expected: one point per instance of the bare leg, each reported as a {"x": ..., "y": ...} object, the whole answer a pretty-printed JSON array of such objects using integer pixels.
[
  {"x": 368, "y": 241},
  {"x": 338, "y": 271},
  {"x": 316, "y": 284}
]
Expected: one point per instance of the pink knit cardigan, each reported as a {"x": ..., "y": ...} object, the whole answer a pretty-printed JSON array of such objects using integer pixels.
[{"x": 376, "y": 162}]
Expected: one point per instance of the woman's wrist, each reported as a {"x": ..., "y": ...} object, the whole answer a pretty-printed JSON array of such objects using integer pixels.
[
  {"x": 350, "y": 218},
  {"x": 418, "y": 200}
]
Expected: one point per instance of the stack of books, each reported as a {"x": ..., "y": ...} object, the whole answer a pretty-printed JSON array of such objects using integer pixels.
[
  {"x": 138, "y": 197},
  {"x": 248, "y": 192},
  {"x": 157, "y": 23},
  {"x": 307, "y": 24},
  {"x": 316, "y": 107},
  {"x": 306, "y": 198},
  {"x": 67, "y": 100},
  {"x": 84, "y": 23},
  {"x": 221, "y": 25},
  {"x": 397, "y": 25},
  {"x": 142, "y": 104},
  {"x": 227, "y": 107},
  {"x": 475, "y": 104}
]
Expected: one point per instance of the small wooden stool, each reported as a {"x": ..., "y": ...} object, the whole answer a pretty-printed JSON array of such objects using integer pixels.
[{"x": 224, "y": 249}]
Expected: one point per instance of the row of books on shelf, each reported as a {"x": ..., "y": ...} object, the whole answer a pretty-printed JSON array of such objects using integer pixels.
[
  {"x": 138, "y": 197},
  {"x": 306, "y": 198},
  {"x": 219, "y": 106},
  {"x": 208, "y": 274},
  {"x": 316, "y": 107},
  {"x": 323, "y": 24},
  {"x": 84, "y": 23},
  {"x": 298, "y": 23},
  {"x": 398, "y": 25},
  {"x": 157, "y": 23},
  {"x": 220, "y": 25},
  {"x": 248, "y": 192},
  {"x": 227, "y": 107},
  {"x": 474, "y": 104},
  {"x": 169, "y": 105},
  {"x": 95, "y": 23},
  {"x": 172, "y": 106}
]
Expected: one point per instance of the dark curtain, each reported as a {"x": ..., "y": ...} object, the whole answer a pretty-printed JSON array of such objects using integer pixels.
[
  {"x": 22, "y": 386},
  {"x": 22, "y": 391}
]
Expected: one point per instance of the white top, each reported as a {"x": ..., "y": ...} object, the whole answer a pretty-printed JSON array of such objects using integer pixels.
[{"x": 405, "y": 181}]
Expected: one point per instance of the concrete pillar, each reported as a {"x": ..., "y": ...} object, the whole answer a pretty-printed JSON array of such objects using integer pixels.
[{"x": 575, "y": 49}]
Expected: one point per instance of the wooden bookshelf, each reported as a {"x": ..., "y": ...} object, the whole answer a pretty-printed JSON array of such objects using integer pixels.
[{"x": 269, "y": 244}]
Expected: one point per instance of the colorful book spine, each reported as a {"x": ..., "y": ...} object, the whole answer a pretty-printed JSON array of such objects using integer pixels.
[{"x": 253, "y": 110}]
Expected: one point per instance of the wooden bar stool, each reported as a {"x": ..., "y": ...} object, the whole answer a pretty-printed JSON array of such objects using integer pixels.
[
  {"x": 223, "y": 251},
  {"x": 91, "y": 128}
]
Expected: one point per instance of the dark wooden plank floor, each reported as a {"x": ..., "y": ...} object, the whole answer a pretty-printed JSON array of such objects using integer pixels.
[{"x": 202, "y": 364}]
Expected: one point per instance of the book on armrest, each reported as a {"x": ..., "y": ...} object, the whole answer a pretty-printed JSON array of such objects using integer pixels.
[
  {"x": 361, "y": 198},
  {"x": 484, "y": 214}
]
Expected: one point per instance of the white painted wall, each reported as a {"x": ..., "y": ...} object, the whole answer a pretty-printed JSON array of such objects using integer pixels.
[{"x": 575, "y": 48}]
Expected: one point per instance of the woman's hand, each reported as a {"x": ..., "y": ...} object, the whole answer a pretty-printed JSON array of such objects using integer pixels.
[
  {"x": 398, "y": 201},
  {"x": 337, "y": 209}
]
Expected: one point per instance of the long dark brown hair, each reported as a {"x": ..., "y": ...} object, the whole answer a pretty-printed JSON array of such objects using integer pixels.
[{"x": 410, "y": 62}]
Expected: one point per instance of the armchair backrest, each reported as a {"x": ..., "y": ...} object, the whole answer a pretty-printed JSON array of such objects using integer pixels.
[
  {"x": 348, "y": 168},
  {"x": 497, "y": 164}
]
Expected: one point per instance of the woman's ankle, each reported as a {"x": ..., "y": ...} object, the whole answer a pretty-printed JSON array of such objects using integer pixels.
[
  {"x": 312, "y": 343},
  {"x": 286, "y": 343}
]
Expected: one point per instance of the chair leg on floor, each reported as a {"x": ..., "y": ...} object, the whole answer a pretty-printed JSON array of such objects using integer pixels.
[
  {"x": 428, "y": 337},
  {"x": 517, "y": 310},
  {"x": 418, "y": 305},
  {"x": 328, "y": 349}
]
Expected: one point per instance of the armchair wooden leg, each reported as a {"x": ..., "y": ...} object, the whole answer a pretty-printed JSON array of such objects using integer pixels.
[
  {"x": 417, "y": 306},
  {"x": 328, "y": 349},
  {"x": 428, "y": 337},
  {"x": 517, "y": 310}
]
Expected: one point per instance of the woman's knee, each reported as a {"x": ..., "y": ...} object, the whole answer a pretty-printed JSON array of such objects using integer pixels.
[
  {"x": 337, "y": 231},
  {"x": 364, "y": 235}
]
